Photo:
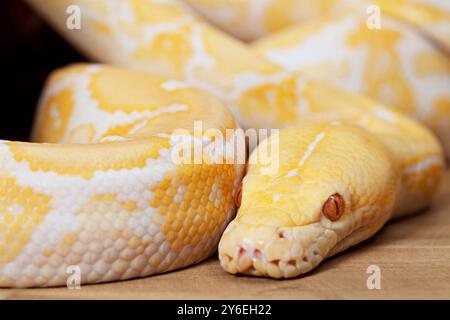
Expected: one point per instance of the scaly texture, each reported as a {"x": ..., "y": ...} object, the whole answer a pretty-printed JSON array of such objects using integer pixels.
[
  {"x": 117, "y": 206},
  {"x": 405, "y": 64},
  {"x": 396, "y": 64},
  {"x": 109, "y": 199},
  {"x": 281, "y": 230},
  {"x": 253, "y": 19}
]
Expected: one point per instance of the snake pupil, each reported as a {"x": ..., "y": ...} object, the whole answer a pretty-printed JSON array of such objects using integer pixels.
[
  {"x": 334, "y": 207},
  {"x": 238, "y": 198}
]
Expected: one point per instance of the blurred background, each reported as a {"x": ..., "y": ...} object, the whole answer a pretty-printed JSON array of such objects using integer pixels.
[{"x": 30, "y": 50}]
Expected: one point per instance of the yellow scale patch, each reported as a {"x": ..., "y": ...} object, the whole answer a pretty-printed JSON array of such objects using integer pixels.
[
  {"x": 127, "y": 91},
  {"x": 196, "y": 217},
  {"x": 418, "y": 13},
  {"x": 84, "y": 161},
  {"x": 56, "y": 116},
  {"x": 383, "y": 74},
  {"x": 260, "y": 100},
  {"x": 276, "y": 14},
  {"x": 111, "y": 198},
  {"x": 431, "y": 63},
  {"x": 145, "y": 12},
  {"x": 168, "y": 53},
  {"x": 425, "y": 183},
  {"x": 183, "y": 221},
  {"x": 21, "y": 211},
  {"x": 220, "y": 48},
  {"x": 188, "y": 211}
]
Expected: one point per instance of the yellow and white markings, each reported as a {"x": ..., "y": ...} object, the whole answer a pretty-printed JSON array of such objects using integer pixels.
[
  {"x": 117, "y": 210},
  {"x": 395, "y": 65},
  {"x": 281, "y": 229},
  {"x": 112, "y": 201}
]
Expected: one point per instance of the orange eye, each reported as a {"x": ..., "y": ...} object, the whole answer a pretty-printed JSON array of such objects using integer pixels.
[{"x": 334, "y": 207}]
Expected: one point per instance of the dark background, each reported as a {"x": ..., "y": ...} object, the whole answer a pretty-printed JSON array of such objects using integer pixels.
[{"x": 29, "y": 51}]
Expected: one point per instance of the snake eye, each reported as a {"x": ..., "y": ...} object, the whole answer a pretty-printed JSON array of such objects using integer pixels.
[
  {"x": 238, "y": 197},
  {"x": 334, "y": 207}
]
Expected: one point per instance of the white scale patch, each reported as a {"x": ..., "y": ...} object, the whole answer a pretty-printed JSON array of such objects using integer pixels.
[
  {"x": 71, "y": 193},
  {"x": 325, "y": 46},
  {"x": 56, "y": 116},
  {"x": 256, "y": 19},
  {"x": 385, "y": 115},
  {"x": 424, "y": 165},
  {"x": 248, "y": 80},
  {"x": 309, "y": 150},
  {"x": 426, "y": 89},
  {"x": 303, "y": 107},
  {"x": 200, "y": 57},
  {"x": 15, "y": 209},
  {"x": 172, "y": 85},
  {"x": 86, "y": 109}
]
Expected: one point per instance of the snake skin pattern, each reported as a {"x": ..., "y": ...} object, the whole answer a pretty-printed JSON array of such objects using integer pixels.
[{"x": 98, "y": 188}]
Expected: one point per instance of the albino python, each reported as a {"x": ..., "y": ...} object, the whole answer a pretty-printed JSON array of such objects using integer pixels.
[{"x": 98, "y": 187}]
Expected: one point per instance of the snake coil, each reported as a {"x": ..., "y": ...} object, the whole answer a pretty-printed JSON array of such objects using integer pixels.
[{"x": 98, "y": 188}]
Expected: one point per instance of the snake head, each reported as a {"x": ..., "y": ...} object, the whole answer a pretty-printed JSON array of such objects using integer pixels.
[{"x": 336, "y": 187}]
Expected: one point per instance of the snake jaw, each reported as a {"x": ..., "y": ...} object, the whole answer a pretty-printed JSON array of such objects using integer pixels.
[
  {"x": 289, "y": 251},
  {"x": 277, "y": 252}
]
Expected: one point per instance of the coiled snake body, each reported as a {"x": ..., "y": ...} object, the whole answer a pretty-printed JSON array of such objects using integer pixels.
[{"x": 105, "y": 195}]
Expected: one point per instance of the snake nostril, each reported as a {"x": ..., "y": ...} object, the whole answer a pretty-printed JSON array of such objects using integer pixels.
[
  {"x": 281, "y": 235},
  {"x": 275, "y": 262},
  {"x": 292, "y": 262},
  {"x": 305, "y": 259},
  {"x": 242, "y": 251}
]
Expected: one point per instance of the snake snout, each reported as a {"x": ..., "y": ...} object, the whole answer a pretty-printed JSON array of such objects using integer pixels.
[{"x": 277, "y": 252}]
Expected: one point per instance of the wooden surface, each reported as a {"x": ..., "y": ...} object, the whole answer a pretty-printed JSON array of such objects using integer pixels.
[{"x": 413, "y": 254}]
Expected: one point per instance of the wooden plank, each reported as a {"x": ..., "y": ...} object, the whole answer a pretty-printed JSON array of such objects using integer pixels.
[{"x": 413, "y": 254}]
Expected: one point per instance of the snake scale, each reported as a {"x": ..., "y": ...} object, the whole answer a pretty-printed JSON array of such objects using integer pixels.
[{"x": 97, "y": 188}]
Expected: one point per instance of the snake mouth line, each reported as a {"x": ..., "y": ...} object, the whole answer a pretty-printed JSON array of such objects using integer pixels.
[
  {"x": 274, "y": 252},
  {"x": 284, "y": 252},
  {"x": 278, "y": 268}
]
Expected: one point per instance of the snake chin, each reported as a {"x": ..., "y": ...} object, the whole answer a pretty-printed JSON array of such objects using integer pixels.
[
  {"x": 276, "y": 252},
  {"x": 287, "y": 252}
]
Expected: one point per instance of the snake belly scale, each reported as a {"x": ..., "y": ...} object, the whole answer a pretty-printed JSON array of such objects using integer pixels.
[{"x": 98, "y": 188}]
